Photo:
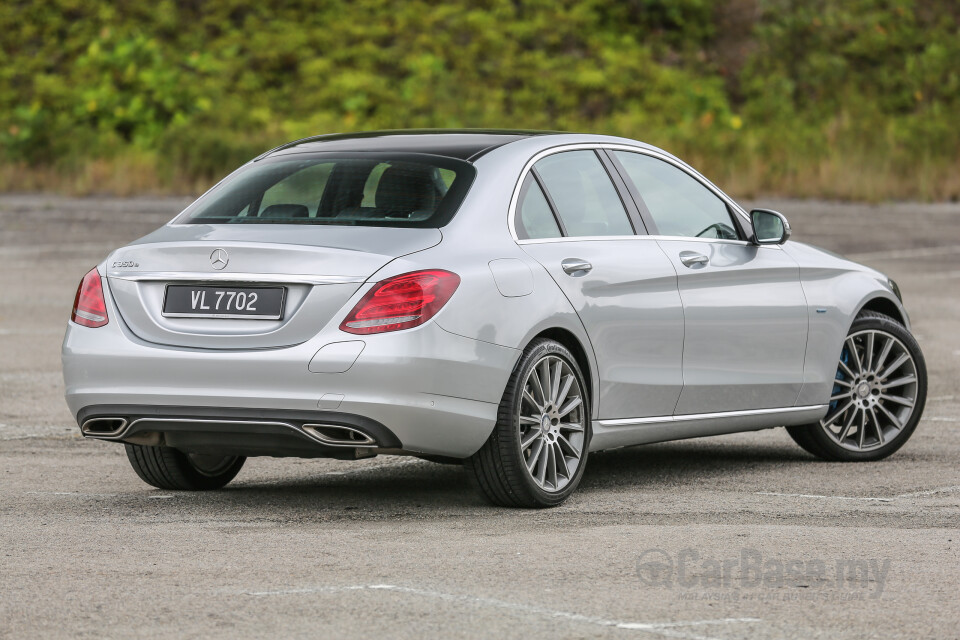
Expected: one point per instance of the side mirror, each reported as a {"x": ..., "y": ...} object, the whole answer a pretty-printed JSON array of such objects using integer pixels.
[{"x": 769, "y": 227}]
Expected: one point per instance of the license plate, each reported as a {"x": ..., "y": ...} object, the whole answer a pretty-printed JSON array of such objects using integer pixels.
[{"x": 196, "y": 301}]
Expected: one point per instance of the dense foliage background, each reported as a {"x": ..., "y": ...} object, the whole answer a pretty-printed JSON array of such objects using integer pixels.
[{"x": 843, "y": 98}]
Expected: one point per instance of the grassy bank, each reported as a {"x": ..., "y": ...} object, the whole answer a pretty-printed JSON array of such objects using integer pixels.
[
  {"x": 839, "y": 176},
  {"x": 849, "y": 100}
]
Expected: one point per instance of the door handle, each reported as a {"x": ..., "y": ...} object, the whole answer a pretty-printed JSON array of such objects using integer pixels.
[
  {"x": 575, "y": 266},
  {"x": 691, "y": 258}
]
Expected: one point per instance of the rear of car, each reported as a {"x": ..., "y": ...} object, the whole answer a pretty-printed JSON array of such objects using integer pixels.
[{"x": 270, "y": 318}]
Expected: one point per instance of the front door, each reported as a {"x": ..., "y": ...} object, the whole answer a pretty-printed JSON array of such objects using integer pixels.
[{"x": 745, "y": 313}]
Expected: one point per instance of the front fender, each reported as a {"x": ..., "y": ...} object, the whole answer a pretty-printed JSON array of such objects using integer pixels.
[{"x": 836, "y": 290}]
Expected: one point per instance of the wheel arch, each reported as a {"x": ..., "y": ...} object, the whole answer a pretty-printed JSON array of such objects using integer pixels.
[
  {"x": 887, "y": 307},
  {"x": 568, "y": 339}
]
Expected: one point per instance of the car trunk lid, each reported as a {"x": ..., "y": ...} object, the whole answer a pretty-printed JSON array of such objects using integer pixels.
[{"x": 319, "y": 268}]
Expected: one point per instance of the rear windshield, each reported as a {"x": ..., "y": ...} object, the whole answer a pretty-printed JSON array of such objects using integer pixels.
[{"x": 388, "y": 190}]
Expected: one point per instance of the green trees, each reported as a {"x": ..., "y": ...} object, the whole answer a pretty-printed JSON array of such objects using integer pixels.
[{"x": 850, "y": 99}]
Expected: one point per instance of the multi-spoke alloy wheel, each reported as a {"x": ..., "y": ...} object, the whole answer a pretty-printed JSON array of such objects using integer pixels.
[
  {"x": 878, "y": 394},
  {"x": 874, "y": 393},
  {"x": 537, "y": 452},
  {"x": 551, "y": 422}
]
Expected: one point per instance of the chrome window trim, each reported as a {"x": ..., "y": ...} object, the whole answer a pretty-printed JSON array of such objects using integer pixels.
[
  {"x": 514, "y": 199},
  {"x": 625, "y": 422},
  {"x": 640, "y": 236},
  {"x": 695, "y": 239}
]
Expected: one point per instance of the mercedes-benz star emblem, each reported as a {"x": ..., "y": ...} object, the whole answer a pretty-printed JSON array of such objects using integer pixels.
[{"x": 219, "y": 258}]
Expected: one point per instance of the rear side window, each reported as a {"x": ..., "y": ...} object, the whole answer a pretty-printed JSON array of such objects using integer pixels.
[
  {"x": 535, "y": 216},
  {"x": 584, "y": 197},
  {"x": 679, "y": 204},
  {"x": 396, "y": 190}
]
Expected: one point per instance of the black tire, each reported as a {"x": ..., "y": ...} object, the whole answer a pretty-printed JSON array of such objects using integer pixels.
[
  {"x": 813, "y": 438},
  {"x": 173, "y": 470},
  {"x": 498, "y": 470}
]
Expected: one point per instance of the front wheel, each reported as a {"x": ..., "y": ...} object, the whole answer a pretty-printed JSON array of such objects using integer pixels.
[
  {"x": 878, "y": 394},
  {"x": 538, "y": 449},
  {"x": 173, "y": 470}
]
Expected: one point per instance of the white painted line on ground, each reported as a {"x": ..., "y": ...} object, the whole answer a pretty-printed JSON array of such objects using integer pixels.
[
  {"x": 939, "y": 419},
  {"x": 915, "y": 494},
  {"x": 940, "y": 398},
  {"x": 919, "y": 252},
  {"x": 667, "y": 629},
  {"x": 929, "y": 492},
  {"x": 811, "y": 495}
]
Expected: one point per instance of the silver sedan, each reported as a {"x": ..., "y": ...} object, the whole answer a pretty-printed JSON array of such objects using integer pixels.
[{"x": 507, "y": 300}]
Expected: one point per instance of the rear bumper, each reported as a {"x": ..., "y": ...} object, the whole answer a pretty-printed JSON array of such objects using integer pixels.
[
  {"x": 432, "y": 391},
  {"x": 236, "y": 431}
]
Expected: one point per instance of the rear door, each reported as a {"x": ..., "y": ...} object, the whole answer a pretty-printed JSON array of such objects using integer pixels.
[
  {"x": 572, "y": 220},
  {"x": 745, "y": 311}
]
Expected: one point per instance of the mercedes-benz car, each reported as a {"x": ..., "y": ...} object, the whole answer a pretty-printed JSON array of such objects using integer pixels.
[{"x": 508, "y": 300}]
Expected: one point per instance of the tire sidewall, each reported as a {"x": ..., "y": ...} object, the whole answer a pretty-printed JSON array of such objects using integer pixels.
[{"x": 510, "y": 430}]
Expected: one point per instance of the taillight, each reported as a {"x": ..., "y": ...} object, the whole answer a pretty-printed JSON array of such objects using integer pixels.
[
  {"x": 401, "y": 302},
  {"x": 89, "y": 307}
]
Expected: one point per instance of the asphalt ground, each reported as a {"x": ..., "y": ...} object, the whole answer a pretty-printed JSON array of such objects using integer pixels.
[{"x": 742, "y": 536}]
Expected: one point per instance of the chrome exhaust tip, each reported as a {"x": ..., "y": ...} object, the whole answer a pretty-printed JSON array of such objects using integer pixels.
[
  {"x": 336, "y": 435},
  {"x": 104, "y": 427}
]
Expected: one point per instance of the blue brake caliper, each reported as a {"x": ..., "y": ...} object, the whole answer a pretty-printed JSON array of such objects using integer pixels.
[{"x": 845, "y": 359}]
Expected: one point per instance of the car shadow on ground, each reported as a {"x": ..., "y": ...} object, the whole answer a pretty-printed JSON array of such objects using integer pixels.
[
  {"x": 672, "y": 463},
  {"x": 392, "y": 489}
]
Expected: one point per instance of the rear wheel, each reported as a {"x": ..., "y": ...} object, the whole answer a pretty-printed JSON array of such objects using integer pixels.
[
  {"x": 878, "y": 395},
  {"x": 537, "y": 452},
  {"x": 172, "y": 469}
]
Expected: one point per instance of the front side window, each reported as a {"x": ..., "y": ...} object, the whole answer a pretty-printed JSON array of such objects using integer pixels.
[
  {"x": 679, "y": 204},
  {"x": 362, "y": 190},
  {"x": 583, "y": 194}
]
